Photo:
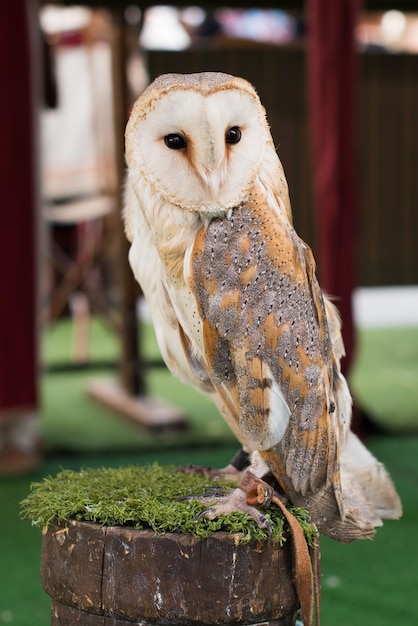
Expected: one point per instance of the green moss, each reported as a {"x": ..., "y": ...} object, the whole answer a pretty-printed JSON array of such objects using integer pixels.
[{"x": 144, "y": 497}]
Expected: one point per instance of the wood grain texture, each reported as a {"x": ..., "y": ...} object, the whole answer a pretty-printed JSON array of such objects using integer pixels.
[{"x": 113, "y": 576}]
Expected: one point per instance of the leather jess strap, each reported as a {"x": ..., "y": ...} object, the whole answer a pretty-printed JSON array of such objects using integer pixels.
[{"x": 307, "y": 570}]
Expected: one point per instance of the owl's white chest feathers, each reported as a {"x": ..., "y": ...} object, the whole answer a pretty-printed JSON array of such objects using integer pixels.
[{"x": 162, "y": 236}]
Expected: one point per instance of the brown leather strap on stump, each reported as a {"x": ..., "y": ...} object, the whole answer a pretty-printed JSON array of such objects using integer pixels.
[
  {"x": 307, "y": 572},
  {"x": 316, "y": 558},
  {"x": 307, "y": 578}
]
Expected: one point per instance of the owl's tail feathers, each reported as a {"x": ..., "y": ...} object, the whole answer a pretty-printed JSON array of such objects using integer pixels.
[
  {"x": 367, "y": 496},
  {"x": 361, "y": 471},
  {"x": 357, "y": 522}
]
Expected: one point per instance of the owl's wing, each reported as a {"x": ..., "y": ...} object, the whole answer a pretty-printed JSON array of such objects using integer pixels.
[{"x": 267, "y": 344}]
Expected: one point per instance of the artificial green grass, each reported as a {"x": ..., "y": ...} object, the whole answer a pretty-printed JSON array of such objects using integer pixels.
[
  {"x": 374, "y": 582},
  {"x": 65, "y": 426},
  {"x": 58, "y": 341},
  {"x": 384, "y": 379},
  {"x": 366, "y": 582},
  {"x": 369, "y": 583},
  {"x": 148, "y": 498}
]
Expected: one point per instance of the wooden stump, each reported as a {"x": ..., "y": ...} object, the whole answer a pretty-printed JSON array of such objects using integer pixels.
[{"x": 114, "y": 576}]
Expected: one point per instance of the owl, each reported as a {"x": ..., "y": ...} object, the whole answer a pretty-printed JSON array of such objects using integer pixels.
[{"x": 233, "y": 296}]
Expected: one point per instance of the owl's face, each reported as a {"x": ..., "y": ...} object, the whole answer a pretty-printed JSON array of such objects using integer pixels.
[{"x": 198, "y": 139}]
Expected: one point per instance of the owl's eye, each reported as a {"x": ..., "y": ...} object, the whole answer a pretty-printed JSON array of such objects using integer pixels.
[
  {"x": 175, "y": 141},
  {"x": 233, "y": 135}
]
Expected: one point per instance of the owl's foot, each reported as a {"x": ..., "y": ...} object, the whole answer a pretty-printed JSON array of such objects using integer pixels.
[
  {"x": 251, "y": 493},
  {"x": 236, "y": 500}
]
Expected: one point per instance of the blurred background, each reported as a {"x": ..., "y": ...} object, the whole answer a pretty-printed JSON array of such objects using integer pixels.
[{"x": 82, "y": 383}]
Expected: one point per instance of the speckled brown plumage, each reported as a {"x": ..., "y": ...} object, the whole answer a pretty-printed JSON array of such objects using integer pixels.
[{"x": 232, "y": 292}]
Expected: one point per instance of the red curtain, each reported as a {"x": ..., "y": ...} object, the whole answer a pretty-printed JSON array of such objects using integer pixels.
[
  {"x": 18, "y": 344},
  {"x": 332, "y": 104}
]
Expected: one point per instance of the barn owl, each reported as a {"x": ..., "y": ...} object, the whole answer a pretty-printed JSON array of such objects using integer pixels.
[{"x": 236, "y": 306}]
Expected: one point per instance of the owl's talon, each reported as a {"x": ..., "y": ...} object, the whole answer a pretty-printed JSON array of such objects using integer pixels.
[
  {"x": 231, "y": 502},
  {"x": 251, "y": 493},
  {"x": 206, "y": 514}
]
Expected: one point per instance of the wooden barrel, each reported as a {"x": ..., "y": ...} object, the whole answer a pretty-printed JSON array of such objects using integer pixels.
[{"x": 118, "y": 576}]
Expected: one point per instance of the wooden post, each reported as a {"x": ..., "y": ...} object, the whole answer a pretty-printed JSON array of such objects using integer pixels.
[
  {"x": 128, "y": 397},
  {"x": 118, "y": 576},
  {"x": 132, "y": 367}
]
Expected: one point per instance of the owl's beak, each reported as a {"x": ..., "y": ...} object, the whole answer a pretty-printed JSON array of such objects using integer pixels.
[
  {"x": 208, "y": 161},
  {"x": 214, "y": 182},
  {"x": 213, "y": 172}
]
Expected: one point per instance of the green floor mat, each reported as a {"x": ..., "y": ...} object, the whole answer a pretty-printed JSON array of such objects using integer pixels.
[{"x": 384, "y": 382}]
